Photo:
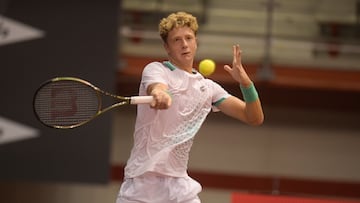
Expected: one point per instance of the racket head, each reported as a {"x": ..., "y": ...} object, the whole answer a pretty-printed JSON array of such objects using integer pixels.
[{"x": 66, "y": 102}]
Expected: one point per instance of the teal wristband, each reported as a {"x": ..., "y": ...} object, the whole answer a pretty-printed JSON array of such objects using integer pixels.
[{"x": 249, "y": 93}]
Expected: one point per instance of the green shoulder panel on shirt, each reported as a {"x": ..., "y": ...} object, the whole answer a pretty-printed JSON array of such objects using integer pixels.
[{"x": 169, "y": 65}]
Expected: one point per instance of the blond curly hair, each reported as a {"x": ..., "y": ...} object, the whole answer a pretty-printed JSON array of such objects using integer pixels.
[{"x": 175, "y": 20}]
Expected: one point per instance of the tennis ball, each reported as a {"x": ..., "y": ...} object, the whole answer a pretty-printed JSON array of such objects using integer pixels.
[{"x": 207, "y": 67}]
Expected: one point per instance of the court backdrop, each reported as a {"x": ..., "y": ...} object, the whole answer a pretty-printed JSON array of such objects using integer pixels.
[{"x": 42, "y": 39}]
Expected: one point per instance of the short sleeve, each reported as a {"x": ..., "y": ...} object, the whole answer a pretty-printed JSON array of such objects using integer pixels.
[
  {"x": 154, "y": 72},
  {"x": 218, "y": 96}
]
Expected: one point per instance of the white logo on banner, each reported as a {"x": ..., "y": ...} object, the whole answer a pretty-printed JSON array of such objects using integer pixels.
[
  {"x": 12, "y": 31},
  {"x": 11, "y": 131}
]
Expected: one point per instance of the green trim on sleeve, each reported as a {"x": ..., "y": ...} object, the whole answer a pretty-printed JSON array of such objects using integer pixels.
[{"x": 218, "y": 102}]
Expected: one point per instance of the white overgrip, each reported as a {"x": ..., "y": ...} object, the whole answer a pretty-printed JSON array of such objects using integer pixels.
[{"x": 141, "y": 99}]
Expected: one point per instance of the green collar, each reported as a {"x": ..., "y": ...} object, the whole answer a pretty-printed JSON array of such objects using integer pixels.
[
  {"x": 172, "y": 67},
  {"x": 169, "y": 65}
]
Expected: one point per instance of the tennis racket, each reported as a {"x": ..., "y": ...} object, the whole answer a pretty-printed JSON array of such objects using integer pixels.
[{"x": 68, "y": 102}]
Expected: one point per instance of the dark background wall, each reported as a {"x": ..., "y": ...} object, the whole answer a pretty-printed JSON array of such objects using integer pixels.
[{"x": 80, "y": 40}]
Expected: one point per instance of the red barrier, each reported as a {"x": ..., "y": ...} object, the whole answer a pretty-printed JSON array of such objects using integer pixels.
[{"x": 256, "y": 198}]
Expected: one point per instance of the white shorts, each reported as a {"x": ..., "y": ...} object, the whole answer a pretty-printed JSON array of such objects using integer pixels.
[{"x": 157, "y": 188}]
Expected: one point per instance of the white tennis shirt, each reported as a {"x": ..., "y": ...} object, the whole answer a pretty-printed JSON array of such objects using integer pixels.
[{"x": 163, "y": 138}]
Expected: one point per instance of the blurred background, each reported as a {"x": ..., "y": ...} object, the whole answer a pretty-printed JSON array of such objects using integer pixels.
[{"x": 303, "y": 57}]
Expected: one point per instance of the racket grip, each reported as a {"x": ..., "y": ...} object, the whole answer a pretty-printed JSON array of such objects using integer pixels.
[{"x": 141, "y": 99}]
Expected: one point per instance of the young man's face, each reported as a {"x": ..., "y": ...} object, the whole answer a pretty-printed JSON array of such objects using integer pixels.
[{"x": 181, "y": 45}]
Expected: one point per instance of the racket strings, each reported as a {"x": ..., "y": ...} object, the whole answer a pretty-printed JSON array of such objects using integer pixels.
[{"x": 66, "y": 103}]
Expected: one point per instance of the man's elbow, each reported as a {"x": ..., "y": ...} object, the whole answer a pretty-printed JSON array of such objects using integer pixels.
[{"x": 257, "y": 121}]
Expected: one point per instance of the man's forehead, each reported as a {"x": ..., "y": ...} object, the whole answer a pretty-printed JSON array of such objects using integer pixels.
[{"x": 180, "y": 31}]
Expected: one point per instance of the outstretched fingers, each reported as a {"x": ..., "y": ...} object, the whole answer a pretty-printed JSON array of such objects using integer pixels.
[
  {"x": 236, "y": 69},
  {"x": 237, "y": 54}
]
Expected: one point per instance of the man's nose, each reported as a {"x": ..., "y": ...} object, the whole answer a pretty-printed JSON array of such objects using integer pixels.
[{"x": 184, "y": 43}]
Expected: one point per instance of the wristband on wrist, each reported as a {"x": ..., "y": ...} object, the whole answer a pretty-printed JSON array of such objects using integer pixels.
[{"x": 249, "y": 93}]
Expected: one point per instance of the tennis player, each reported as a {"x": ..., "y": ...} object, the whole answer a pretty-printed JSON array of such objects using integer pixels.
[{"x": 156, "y": 171}]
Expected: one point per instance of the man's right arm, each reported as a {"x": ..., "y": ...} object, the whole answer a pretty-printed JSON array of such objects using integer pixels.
[{"x": 162, "y": 98}]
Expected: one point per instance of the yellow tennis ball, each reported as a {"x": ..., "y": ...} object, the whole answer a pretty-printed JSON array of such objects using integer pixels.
[{"x": 207, "y": 67}]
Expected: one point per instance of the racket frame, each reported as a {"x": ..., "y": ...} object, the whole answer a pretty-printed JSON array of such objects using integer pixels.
[{"x": 99, "y": 93}]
